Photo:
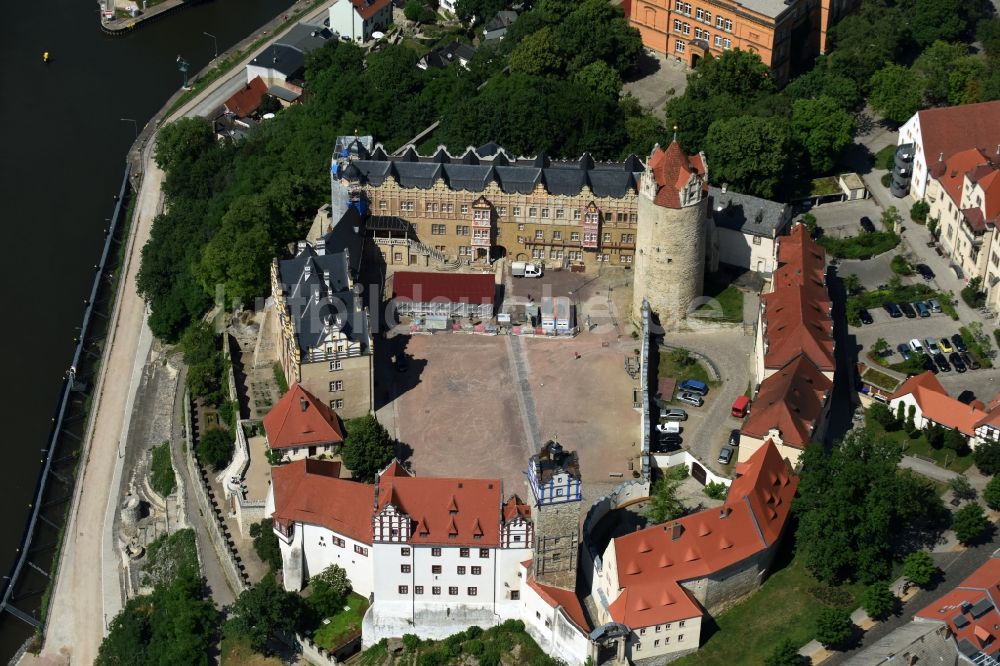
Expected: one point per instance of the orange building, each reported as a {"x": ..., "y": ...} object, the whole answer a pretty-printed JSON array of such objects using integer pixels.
[{"x": 787, "y": 34}]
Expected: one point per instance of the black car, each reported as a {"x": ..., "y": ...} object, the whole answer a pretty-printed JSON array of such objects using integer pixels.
[
  {"x": 893, "y": 310},
  {"x": 734, "y": 438},
  {"x": 969, "y": 360},
  {"x": 956, "y": 360},
  {"x": 904, "y": 350},
  {"x": 929, "y": 364},
  {"x": 925, "y": 271},
  {"x": 959, "y": 343},
  {"x": 867, "y": 225},
  {"x": 866, "y": 317},
  {"x": 908, "y": 310},
  {"x": 942, "y": 363},
  {"x": 669, "y": 441}
]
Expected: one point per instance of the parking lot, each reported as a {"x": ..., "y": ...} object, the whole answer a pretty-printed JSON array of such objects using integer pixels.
[
  {"x": 707, "y": 428},
  {"x": 842, "y": 219}
]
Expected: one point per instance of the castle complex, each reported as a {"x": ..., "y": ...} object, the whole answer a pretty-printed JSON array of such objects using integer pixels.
[{"x": 486, "y": 204}]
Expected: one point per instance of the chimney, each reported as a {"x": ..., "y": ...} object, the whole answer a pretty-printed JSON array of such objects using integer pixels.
[
  {"x": 725, "y": 186},
  {"x": 676, "y": 530},
  {"x": 321, "y": 247},
  {"x": 303, "y": 403},
  {"x": 941, "y": 157}
]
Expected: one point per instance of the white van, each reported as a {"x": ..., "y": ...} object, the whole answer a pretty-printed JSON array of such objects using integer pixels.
[{"x": 524, "y": 269}]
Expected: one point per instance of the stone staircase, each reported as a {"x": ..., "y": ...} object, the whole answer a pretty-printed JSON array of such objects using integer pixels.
[{"x": 437, "y": 255}]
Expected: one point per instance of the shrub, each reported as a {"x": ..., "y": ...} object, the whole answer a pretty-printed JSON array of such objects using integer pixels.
[
  {"x": 411, "y": 642},
  {"x": 474, "y": 647},
  {"x": 987, "y": 457},
  {"x": 970, "y": 523},
  {"x": 834, "y": 627},
  {"x": 962, "y": 489},
  {"x": 991, "y": 493},
  {"x": 886, "y": 180},
  {"x": 864, "y": 246},
  {"x": 786, "y": 654},
  {"x": 162, "y": 477},
  {"x": 955, "y": 440},
  {"x": 810, "y": 221},
  {"x": 265, "y": 543},
  {"x": 881, "y": 414},
  {"x": 919, "y": 568},
  {"x": 279, "y": 378},
  {"x": 919, "y": 211},
  {"x": 879, "y": 601},
  {"x": 972, "y": 293},
  {"x": 473, "y": 632},
  {"x": 900, "y": 265},
  {"x": 716, "y": 490},
  {"x": 215, "y": 449},
  {"x": 891, "y": 219}
]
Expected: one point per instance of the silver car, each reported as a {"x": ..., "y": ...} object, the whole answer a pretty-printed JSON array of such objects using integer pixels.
[
  {"x": 673, "y": 415},
  {"x": 725, "y": 455},
  {"x": 691, "y": 398}
]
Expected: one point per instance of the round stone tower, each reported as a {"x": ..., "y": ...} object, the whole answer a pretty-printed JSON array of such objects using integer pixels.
[{"x": 670, "y": 239}]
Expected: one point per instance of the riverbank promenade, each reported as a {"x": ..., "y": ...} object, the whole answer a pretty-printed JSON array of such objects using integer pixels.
[{"x": 87, "y": 593}]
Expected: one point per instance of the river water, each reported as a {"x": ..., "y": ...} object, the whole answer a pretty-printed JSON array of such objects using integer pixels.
[{"x": 62, "y": 155}]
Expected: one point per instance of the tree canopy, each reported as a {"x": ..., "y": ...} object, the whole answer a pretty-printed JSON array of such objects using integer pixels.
[
  {"x": 263, "y": 612},
  {"x": 367, "y": 447},
  {"x": 857, "y": 511}
]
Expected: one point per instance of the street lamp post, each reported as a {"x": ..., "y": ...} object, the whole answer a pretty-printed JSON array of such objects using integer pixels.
[
  {"x": 182, "y": 66},
  {"x": 215, "y": 42},
  {"x": 135, "y": 125}
]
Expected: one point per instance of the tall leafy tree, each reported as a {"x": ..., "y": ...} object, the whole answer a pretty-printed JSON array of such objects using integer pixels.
[
  {"x": 823, "y": 128},
  {"x": 751, "y": 154},
  {"x": 367, "y": 447},
  {"x": 264, "y": 612},
  {"x": 896, "y": 93}
]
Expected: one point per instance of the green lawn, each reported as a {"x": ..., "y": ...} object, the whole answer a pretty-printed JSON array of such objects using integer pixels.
[
  {"x": 824, "y": 185},
  {"x": 728, "y": 296},
  {"x": 669, "y": 367},
  {"x": 343, "y": 625},
  {"x": 237, "y": 652},
  {"x": 786, "y": 606},
  {"x": 920, "y": 447}
]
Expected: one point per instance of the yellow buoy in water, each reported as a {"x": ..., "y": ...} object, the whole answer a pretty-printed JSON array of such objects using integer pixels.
[{"x": 45, "y": 57}]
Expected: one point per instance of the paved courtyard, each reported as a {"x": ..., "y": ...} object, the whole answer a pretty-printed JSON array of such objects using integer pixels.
[
  {"x": 659, "y": 74},
  {"x": 842, "y": 219},
  {"x": 463, "y": 410}
]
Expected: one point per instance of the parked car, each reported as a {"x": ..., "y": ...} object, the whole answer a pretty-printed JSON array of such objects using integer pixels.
[
  {"x": 908, "y": 310},
  {"x": 675, "y": 414},
  {"x": 925, "y": 271},
  {"x": 865, "y": 316},
  {"x": 893, "y": 310},
  {"x": 669, "y": 428},
  {"x": 741, "y": 407},
  {"x": 935, "y": 305},
  {"x": 931, "y": 345},
  {"x": 904, "y": 350},
  {"x": 945, "y": 346},
  {"x": 922, "y": 309},
  {"x": 957, "y": 271},
  {"x": 734, "y": 438},
  {"x": 669, "y": 442},
  {"x": 725, "y": 455},
  {"x": 970, "y": 361},
  {"x": 867, "y": 224},
  {"x": 956, "y": 360},
  {"x": 942, "y": 363},
  {"x": 929, "y": 364},
  {"x": 691, "y": 398},
  {"x": 915, "y": 345},
  {"x": 959, "y": 343},
  {"x": 694, "y": 386}
]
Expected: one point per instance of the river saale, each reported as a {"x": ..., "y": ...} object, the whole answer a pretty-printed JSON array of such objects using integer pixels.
[{"x": 62, "y": 158}]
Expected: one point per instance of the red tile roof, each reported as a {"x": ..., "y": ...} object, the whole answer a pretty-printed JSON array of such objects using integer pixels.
[
  {"x": 451, "y": 512},
  {"x": 245, "y": 101},
  {"x": 300, "y": 419},
  {"x": 309, "y": 491},
  {"x": 797, "y": 323},
  {"x": 476, "y": 288},
  {"x": 652, "y": 564},
  {"x": 514, "y": 507},
  {"x": 948, "y": 130},
  {"x": 790, "y": 400},
  {"x": 938, "y": 406},
  {"x": 672, "y": 170},
  {"x": 367, "y": 9},
  {"x": 951, "y": 172},
  {"x": 555, "y": 597},
  {"x": 973, "y": 603}
]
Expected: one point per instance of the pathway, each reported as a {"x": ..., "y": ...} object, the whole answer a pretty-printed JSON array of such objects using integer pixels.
[
  {"x": 211, "y": 568},
  {"x": 525, "y": 400},
  {"x": 928, "y": 469}
]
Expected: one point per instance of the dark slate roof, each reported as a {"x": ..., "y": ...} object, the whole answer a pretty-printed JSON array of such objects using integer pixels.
[
  {"x": 336, "y": 300},
  {"x": 306, "y": 37},
  {"x": 502, "y": 19},
  {"x": 748, "y": 214},
  {"x": 283, "y": 93},
  {"x": 475, "y": 168},
  {"x": 279, "y": 57},
  {"x": 446, "y": 55}
]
